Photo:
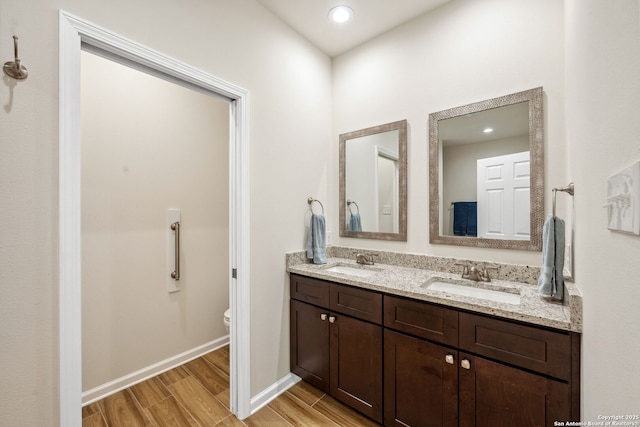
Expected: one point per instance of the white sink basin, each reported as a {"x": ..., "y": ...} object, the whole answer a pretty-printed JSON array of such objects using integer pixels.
[
  {"x": 442, "y": 285},
  {"x": 351, "y": 271}
]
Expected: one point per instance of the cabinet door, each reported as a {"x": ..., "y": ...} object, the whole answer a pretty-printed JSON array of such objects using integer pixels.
[
  {"x": 496, "y": 395},
  {"x": 356, "y": 364},
  {"x": 421, "y": 382},
  {"x": 309, "y": 347}
]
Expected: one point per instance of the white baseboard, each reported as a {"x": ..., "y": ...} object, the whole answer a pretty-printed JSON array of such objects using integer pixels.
[
  {"x": 273, "y": 391},
  {"x": 150, "y": 371}
]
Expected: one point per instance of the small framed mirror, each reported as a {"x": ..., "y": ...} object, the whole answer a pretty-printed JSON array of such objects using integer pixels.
[
  {"x": 486, "y": 173},
  {"x": 373, "y": 182}
]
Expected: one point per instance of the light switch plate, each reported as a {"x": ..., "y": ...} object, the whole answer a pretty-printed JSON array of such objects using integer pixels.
[{"x": 623, "y": 200}]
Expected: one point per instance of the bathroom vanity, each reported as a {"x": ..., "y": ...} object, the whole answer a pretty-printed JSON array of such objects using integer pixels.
[{"x": 402, "y": 354}]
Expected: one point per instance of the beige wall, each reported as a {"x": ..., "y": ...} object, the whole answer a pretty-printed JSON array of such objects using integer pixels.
[
  {"x": 290, "y": 85},
  {"x": 463, "y": 52},
  {"x": 603, "y": 88},
  {"x": 149, "y": 145}
]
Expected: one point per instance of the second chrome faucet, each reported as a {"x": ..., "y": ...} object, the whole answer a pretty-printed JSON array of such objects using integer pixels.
[
  {"x": 364, "y": 259},
  {"x": 473, "y": 272}
]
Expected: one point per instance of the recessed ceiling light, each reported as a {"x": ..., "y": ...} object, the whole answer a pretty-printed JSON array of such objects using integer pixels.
[
  {"x": 488, "y": 130},
  {"x": 341, "y": 14}
]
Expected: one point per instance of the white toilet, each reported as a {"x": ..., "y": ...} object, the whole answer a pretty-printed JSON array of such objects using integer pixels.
[{"x": 227, "y": 319}]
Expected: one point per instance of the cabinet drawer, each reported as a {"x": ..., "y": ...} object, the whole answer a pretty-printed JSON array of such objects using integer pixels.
[
  {"x": 312, "y": 291},
  {"x": 359, "y": 303},
  {"x": 422, "y": 319},
  {"x": 529, "y": 347}
]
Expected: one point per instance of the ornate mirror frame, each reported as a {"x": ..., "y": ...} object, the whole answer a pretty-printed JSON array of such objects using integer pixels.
[
  {"x": 536, "y": 147},
  {"x": 401, "y": 127}
]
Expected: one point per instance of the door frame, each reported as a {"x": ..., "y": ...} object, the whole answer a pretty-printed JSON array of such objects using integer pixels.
[{"x": 73, "y": 33}]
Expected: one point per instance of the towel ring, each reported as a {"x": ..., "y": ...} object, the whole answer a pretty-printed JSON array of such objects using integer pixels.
[
  {"x": 568, "y": 189},
  {"x": 349, "y": 203},
  {"x": 310, "y": 201}
]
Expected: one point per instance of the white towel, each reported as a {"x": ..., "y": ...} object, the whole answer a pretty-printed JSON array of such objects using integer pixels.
[{"x": 551, "y": 280}]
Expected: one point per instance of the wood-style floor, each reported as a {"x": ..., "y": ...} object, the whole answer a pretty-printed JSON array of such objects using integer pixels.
[{"x": 196, "y": 394}]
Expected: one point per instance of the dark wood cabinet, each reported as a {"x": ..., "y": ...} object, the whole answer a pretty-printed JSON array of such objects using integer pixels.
[
  {"x": 414, "y": 363},
  {"x": 429, "y": 321},
  {"x": 356, "y": 364},
  {"x": 421, "y": 382},
  {"x": 309, "y": 349},
  {"x": 333, "y": 348},
  {"x": 496, "y": 395},
  {"x": 507, "y": 373}
]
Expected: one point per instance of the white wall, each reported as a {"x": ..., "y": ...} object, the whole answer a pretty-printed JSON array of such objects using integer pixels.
[
  {"x": 603, "y": 136},
  {"x": 239, "y": 41},
  {"x": 463, "y": 52},
  {"x": 149, "y": 145}
]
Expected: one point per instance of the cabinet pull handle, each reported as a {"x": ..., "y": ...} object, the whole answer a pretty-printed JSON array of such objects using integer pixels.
[
  {"x": 449, "y": 359},
  {"x": 465, "y": 364},
  {"x": 323, "y": 316},
  {"x": 332, "y": 319}
]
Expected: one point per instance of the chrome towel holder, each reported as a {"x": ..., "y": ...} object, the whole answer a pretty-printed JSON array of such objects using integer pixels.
[
  {"x": 310, "y": 201},
  {"x": 568, "y": 189},
  {"x": 350, "y": 202}
]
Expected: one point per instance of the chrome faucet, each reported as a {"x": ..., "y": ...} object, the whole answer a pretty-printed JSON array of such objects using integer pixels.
[
  {"x": 473, "y": 272},
  {"x": 364, "y": 259}
]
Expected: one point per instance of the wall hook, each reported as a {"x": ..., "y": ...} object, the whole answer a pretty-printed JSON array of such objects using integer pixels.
[{"x": 14, "y": 69}]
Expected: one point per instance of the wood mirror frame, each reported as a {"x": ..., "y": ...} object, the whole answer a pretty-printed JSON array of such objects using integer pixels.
[
  {"x": 536, "y": 148},
  {"x": 401, "y": 235}
]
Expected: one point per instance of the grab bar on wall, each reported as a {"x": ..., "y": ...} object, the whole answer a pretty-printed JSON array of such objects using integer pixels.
[{"x": 176, "y": 273}]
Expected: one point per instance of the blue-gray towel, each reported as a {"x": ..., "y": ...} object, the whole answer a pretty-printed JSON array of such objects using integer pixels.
[
  {"x": 355, "y": 222},
  {"x": 316, "y": 243},
  {"x": 551, "y": 281}
]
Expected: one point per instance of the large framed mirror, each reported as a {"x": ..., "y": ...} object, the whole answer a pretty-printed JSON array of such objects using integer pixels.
[
  {"x": 373, "y": 182},
  {"x": 486, "y": 173}
]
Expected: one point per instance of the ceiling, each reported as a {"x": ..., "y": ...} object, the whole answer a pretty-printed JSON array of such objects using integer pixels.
[
  {"x": 371, "y": 18},
  {"x": 508, "y": 121}
]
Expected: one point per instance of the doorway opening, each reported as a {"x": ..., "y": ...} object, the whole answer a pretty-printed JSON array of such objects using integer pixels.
[
  {"x": 151, "y": 150},
  {"x": 77, "y": 35}
]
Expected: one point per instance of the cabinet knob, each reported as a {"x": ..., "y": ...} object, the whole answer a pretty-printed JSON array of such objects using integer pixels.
[
  {"x": 465, "y": 364},
  {"x": 323, "y": 316},
  {"x": 449, "y": 359},
  {"x": 332, "y": 319}
]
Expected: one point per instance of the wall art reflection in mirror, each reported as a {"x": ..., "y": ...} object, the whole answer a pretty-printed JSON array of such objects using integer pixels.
[
  {"x": 486, "y": 173},
  {"x": 373, "y": 182}
]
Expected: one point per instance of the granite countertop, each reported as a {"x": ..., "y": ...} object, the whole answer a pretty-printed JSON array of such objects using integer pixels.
[{"x": 409, "y": 282}]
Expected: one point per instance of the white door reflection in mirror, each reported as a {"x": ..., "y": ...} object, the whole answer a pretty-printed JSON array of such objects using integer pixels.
[
  {"x": 503, "y": 194},
  {"x": 387, "y": 184}
]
